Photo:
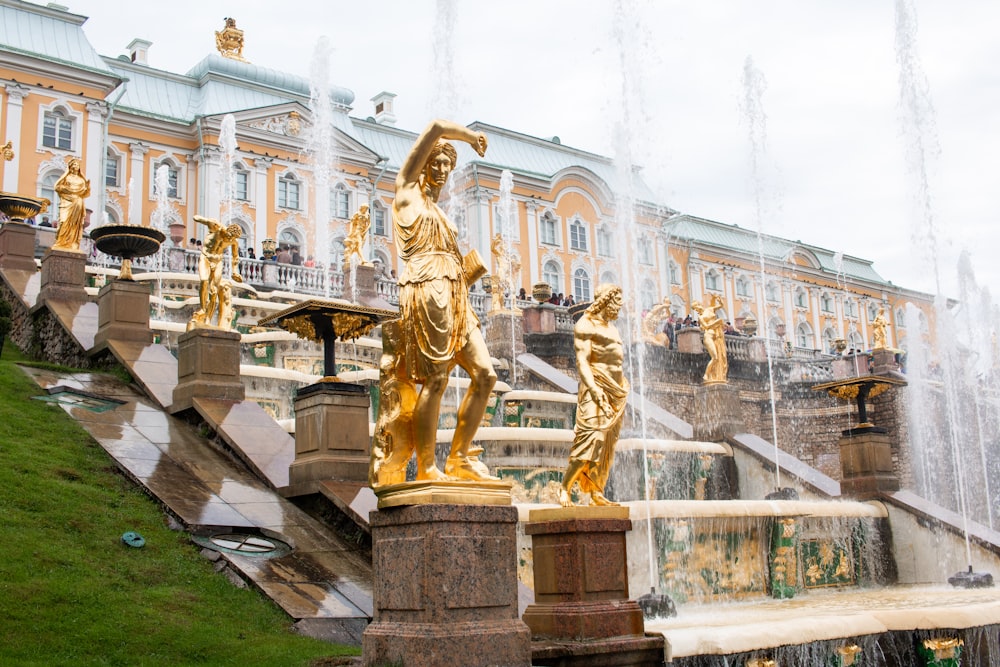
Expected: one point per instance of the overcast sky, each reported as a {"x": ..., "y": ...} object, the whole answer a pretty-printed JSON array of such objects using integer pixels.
[{"x": 833, "y": 171}]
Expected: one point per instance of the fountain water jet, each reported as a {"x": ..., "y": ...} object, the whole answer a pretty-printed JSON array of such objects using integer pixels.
[{"x": 321, "y": 148}]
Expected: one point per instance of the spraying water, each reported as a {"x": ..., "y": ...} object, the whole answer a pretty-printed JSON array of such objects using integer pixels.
[
  {"x": 508, "y": 218},
  {"x": 754, "y": 86},
  {"x": 322, "y": 150}
]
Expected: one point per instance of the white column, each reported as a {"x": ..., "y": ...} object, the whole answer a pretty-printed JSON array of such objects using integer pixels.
[
  {"x": 480, "y": 224},
  {"x": 534, "y": 271},
  {"x": 135, "y": 176},
  {"x": 211, "y": 163},
  {"x": 817, "y": 326},
  {"x": 694, "y": 283},
  {"x": 94, "y": 154},
  {"x": 729, "y": 287},
  {"x": 15, "y": 102},
  {"x": 789, "y": 317},
  {"x": 261, "y": 196}
]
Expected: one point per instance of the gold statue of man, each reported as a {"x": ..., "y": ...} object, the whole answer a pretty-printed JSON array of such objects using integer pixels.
[
  {"x": 215, "y": 293},
  {"x": 717, "y": 371},
  {"x": 355, "y": 240},
  {"x": 601, "y": 397},
  {"x": 880, "y": 338},
  {"x": 73, "y": 190},
  {"x": 439, "y": 329}
]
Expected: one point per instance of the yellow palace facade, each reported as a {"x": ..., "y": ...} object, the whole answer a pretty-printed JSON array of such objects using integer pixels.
[{"x": 128, "y": 121}]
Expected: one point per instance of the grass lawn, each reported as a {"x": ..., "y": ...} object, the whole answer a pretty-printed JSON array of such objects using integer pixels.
[{"x": 72, "y": 594}]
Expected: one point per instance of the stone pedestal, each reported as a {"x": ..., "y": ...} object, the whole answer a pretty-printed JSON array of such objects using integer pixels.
[
  {"x": 540, "y": 318},
  {"x": 851, "y": 366},
  {"x": 866, "y": 463},
  {"x": 582, "y": 614},
  {"x": 884, "y": 361},
  {"x": 17, "y": 246},
  {"x": 64, "y": 274},
  {"x": 689, "y": 341},
  {"x": 445, "y": 589},
  {"x": 362, "y": 288},
  {"x": 331, "y": 433},
  {"x": 717, "y": 412},
  {"x": 175, "y": 259},
  {"x": 122, "y": 313},
  {"x": 208, "y": 366}
]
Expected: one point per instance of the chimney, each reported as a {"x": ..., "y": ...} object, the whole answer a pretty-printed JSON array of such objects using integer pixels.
[
  {"x": 138, "y": 50},
  {"x": 383, "y": 109}
]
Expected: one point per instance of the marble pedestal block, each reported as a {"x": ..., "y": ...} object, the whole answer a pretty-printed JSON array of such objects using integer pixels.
[
  {"x": 362, "y": 288},
  {"x": 331, "y": 433},
  {"x": 866, "y": 464},
  {"x": 884, "y": 361},
  {"x": 64, "y": 274},
  {"x": 208, "y": 366},
  {"x": 582, "y": 614},
  {"x": 689, "y": 341},
  {"x": 17, "y": 246},
  {"x": 122, "y": 313},
  {"x": 445, "y": 589},
  {"x": 717, "y": 411},
  {"x": 540, "y": 318},
  {"x": 851, "y": 366}
]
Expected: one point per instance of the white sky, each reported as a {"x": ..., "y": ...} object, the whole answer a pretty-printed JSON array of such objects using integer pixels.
[{"x": 834, "y": 172}]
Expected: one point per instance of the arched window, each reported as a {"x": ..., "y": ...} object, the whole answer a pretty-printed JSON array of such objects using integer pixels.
[
  {"x": 290, "y": 238},
  {"x": 547, "y": 229},
  {"x": 675, "y": 273},
  {"x": 581, "y": 285},
  {"x": 608, "y": 278},
  {"x": 289, "y": 189},
  {"x": 340, "y": 201},
  {"x": 829, "y": 336},
  {"x": 771, "y": 292},
  {"x": 172, "y": 177},
  {"x": 851, "y": 308},
  {"x": 551, "y": 274},
  {"x": 742, "y": 286},
  {"x": 775, "y": 328},
  {"x": 57, "y": 129},
  {"x": 872, "y": 310},
  {"x": 677, "y": 305},
  {"x": 855, "y": 341},
  {"x": 648, "y": 294},
  {"x": 712, "y": 281},
  {"x": 900, "y": 318},
  {"x": 337, "y": 251},
  {"x": 577, "y": 235},
  {"x": 645, "y": 251},
  {"x": 48, "y": 190},
  {"x": 804, "y": 336},
  {"x": 801, "y": 300},
  {"x": 111, "y": 216},
  {"x": 826, "y": 302},
  {"x": 605, "y": 242}
]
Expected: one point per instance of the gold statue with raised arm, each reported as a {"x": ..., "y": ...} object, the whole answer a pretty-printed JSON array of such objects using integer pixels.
[
  {"x": 601, "y": 397},
  {"x": 717, "y": 371},
  {"x": 73, "y": 190},
  {"x": 438, "y": 329},
  {"x": 215, "y": 292},
  {"x": 355, "y": 241},
  {"x": 880, "y": 337}
]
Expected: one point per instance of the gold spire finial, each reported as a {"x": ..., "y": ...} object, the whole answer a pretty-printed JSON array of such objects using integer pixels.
[{"x": 229, "y": 41}]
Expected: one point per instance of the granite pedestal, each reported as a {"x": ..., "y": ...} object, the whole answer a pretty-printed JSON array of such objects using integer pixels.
[
  {"x": 17, "y": 246},
  {"x": 445, "y": 589},
  {"x": 582, "y": 614},
  {"x": 122, "y": 314},
  {"x": 208, "y": 366},
  {"x": 718, "y": 412},
  {"x": 359, "y": 287},
  {"x": 689, "y": 341},
  {"x": 539, "y": 319},
  {"x": 504, "y": 333},
  {"x": 64, "y": 274},
  {"x": 866, "y": 463},
  {"x": 331, "y": 433}
]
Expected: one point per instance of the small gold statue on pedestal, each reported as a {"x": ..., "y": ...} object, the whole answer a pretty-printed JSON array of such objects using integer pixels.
[
  {"x": 73, "y": 190},
  {"x": 437, "y": 329},
  {"x": 880, "y": 337},
  {"x": 215, "y": 292},
  {"x": 355, "y": 240},
  {"x": 601, "y": 397},
  {"x": 717, "y": 371}
]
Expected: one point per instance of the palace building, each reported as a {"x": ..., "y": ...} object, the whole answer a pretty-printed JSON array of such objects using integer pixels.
[{"x": 128, "y": 121}]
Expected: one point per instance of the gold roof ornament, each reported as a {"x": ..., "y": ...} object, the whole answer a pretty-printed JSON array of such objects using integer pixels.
[{"x": 229, "y": 41}]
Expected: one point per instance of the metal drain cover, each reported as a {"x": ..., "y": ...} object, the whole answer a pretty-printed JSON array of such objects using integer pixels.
[{"x": 245, "y": 544}]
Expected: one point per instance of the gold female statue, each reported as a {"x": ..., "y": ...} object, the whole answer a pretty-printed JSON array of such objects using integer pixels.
[
  {"x": 717, "y": 371},
  {"x": 439, "y": 329},
  {"x": 73, "y": 189},
  {"x": 355, "y": 241},
  {"x": 601, "y": 397},
  {"x": 880, "y": 338}
]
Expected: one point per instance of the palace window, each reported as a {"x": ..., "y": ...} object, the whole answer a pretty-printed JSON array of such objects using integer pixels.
[
  {"x": 242, "y": 185},
  {"x": 378, "y": 221},
  {"x": 288, "y": 192},
  {"x": 581, "y": 286},
  {"x": 742, "y": 286},
  {"x": 112, "y": 165},
  {"x": 801, "y": 300},
  {"x": 551, "y": 274},
  {"x": 675, "y": 274},
  {"x": 605, "y": 243},
  {"x": 851, "y": 308},
  {"x": 645, "y": 251},
  {"x": 771, "y": 292},
  {"x": 647, "y": 294},
  {"x": 803, "y": 336},
  {"x": 57, "y": 130},
  {"x": 712, "y": 281},
  {"x": 547, "y": 230},
  {"x": 826, "y": 303},
  {"x": 577, "y": 235},
  {"x": 340, "y": 202}
]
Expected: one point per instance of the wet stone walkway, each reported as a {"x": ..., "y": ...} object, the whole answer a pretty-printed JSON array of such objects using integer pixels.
[{"x": 323, "y": 582}]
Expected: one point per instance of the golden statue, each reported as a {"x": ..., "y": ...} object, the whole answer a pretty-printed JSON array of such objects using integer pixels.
[
  {"x": 393, "y": 442},
  {"x": 507, "y": 265},
  {"x": 229, "y": 41},
  {"x": 652, "y": 329},
  {"x": 7, "y": 150},
  {"x": 355, "y": 240},
  {"x": 600, "y": 399},
  {"x": 215, "y": 292},
  {"x": 438, "y": 328},
  {"x": 73, "y": 189},
  {"x": 717, "y": 370},
  {"x": 880, "y": 339}
]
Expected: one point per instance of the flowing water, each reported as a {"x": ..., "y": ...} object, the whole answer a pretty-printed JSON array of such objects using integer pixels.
[{"x": 321, "y": 148}]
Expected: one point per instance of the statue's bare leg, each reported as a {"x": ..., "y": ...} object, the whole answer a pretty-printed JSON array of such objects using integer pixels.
[
  {"x": 425, "y": 421},
  {"x": 474, "y": 358}
]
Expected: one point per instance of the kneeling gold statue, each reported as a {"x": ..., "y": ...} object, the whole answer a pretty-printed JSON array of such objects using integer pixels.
[{"x": 601, "y": 398}]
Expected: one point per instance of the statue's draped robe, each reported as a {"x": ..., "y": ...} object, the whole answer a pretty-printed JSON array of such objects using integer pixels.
[
  {"x": 596, "y": 433},
  {"x": 433, "y": 294},
  {"x": 72, "y": 190}
]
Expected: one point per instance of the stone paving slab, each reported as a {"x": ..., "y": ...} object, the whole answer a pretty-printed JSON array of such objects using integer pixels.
[{"x": 152, "y": 366}]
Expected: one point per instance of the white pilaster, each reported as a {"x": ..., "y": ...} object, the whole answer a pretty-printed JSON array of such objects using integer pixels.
[
  {"x": 94, "y": 154},
  {"x": 136, "y": 176},
  {"x": 262, "y": 194},
  {"x": 15, "y": 103},
  {"x": 534, "y": 270}
]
